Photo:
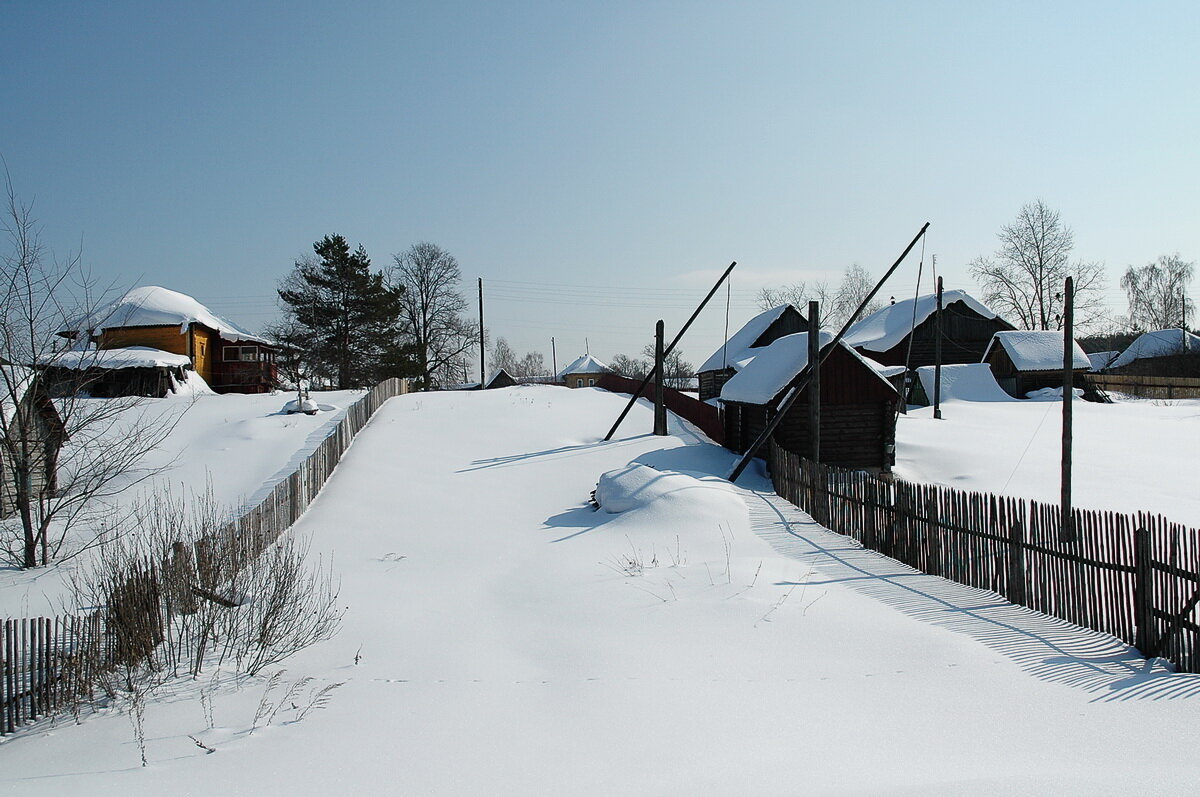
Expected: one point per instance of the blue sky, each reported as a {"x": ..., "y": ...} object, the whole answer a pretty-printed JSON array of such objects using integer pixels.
[{"x": 596, "y": 163}]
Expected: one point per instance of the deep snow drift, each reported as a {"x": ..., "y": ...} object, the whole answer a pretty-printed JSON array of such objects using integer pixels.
[{"x": 503, "y": 636}]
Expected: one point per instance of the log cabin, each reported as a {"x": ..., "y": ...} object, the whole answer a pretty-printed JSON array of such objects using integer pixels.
[
  {"x": 227, "y": 357},
  {"x": 760, "y": 331},
  {"x": 1026, "y": 360},
  {"x": 32, "y": 433},
  {"x": 858, "y": 405},
  {"x": 967, "y": 328}
]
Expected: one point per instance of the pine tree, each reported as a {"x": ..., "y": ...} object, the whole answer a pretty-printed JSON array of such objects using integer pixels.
[{"x": 344, "y": 316}]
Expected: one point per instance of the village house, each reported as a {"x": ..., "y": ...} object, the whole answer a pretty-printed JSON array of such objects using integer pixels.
[
  {"x": 760, "y": 331},
  {"x": 583, "y": 372},
  {"x": 1165, "y": 353},
  {"x": 905, "y": 332},
  {"x": 33, "y": 432},
  {"x": 228, "y": 358},
  {"x": 1023, "y": 361},
  {"x": 858, "y": 405}
]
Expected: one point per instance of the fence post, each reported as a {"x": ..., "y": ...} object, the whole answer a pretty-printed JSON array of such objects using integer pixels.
[
  {"x": 1016, "y": 563},
  {"x": 1143, "y": 598}
]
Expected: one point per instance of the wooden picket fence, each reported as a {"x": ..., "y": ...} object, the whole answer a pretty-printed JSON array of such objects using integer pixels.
[
  {"x": 1136, "y": 577},
  {"x": 47, "y": 664}
]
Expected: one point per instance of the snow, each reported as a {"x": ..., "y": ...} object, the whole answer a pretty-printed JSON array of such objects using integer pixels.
[
  {"x": 240, "y": 445},
  {"x": 298, "y": 405},
  {"x": 14, "y": 383},
  {"x": 886, "y": 327},
  {"x": 129, "y": 357},
  {"x": 966, "y": 382},
  {"x": 1102, "y": 359},
  {"x": 504, "y": 637},
  {"x": 641, "y": 487},
  {"x": 586, "y": 364},
  {"x": 154, "y": 306},
  {"x": 738, "y": 348},
  {"x": 774, "y": 366},
  {"x": 1163, "y": 343},
  {"x": 1038, "y": 350}
]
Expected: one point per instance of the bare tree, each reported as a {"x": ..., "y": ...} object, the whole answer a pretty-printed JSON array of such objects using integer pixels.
[
  {"x": 502, "y": 356},
  {"x": 433, "y": 313},
  {"x": 632, "y": 367},
  {"x": 836, "y": 305},
  {"x": 797, "y": 294},
  {"x": 56, "y": 491},
  {"x": 1158, "y": 293},
  {"x": 1023, "y": 280}
]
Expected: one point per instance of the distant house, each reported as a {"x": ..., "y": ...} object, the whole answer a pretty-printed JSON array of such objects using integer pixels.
[
  {"x": 760, "y": 331},
  {"x": 32, "y": 431},
  {"x": 967, "y": 328},
  {"x": 1166, "y": 352},
  {"x": 107, "y": 373},
  {"x": 858, "y": 405},
  {"x": 1026, "y": 360},
  {"x": 227, "y": 357},
  {"x": 501, "y": 378},
  {"x": 583, "y": 372}
]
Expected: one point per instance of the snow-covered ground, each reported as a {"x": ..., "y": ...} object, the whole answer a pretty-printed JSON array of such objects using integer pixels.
[
  {"x": 502, "y": 636},
  {"x": 1130, "y": 456},
  {"x": 240, "y": 444}
]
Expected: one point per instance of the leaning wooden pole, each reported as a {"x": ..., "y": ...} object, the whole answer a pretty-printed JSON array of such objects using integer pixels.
[
  {"x": 1066, "y": 531},
  {"x": 805, "y": 375},
  {"x": 666, "y": 353},
  {"x": 660, "y": 407}
]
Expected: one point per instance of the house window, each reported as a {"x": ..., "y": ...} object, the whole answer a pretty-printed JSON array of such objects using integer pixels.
[
  {"x": 591, "y": 383},
  {"x": 241, "y": 353}
]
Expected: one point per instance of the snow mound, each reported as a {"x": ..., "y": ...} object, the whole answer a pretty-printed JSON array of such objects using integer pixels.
[
  {"x": 969, "y": 382},
  {"x": 637, "y": 486},
  {"x": 1051, "y": 394},
  {"x": 192, "y": 385},
  {"x": 296, "y": 405}
]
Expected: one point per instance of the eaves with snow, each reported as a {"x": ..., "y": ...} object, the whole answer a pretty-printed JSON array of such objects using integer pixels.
[
  {"x": 587, "y": 364},
  {"x": 152, "y": 306},
  {"x": 115, "y": 359},
  {"x": 737, "y": 350},
  {"x": 886, "y": 328},
  {"x": 775, "y": 366},
  {"x": 1163, "y": 343},
  {"x": 1037, "y": 350}
]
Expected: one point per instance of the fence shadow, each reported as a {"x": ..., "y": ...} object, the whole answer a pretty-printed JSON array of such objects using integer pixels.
[{"x": 1046, "y": 647}]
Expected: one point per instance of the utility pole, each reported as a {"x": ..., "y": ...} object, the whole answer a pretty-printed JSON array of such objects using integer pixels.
[
  {"x": 814, "y": 387},
  {"x": 660, "y": 408},
  {"x": 937, "y": 355},
  {"x": 482, "y": 350},
  {"x": 553, "y": 357},
  {"x": 1066, "y": 532}
]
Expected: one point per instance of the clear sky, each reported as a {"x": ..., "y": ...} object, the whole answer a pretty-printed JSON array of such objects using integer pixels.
[{"x": 597, "y": 164}]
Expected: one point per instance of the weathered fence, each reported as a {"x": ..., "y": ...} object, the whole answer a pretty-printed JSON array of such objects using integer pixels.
[
  {"x": 704, "y": 416},
  {"x": 1162, "y": 387},
  {"x": 1136, "y": 577},
  {"x": 46, "y": 664}
]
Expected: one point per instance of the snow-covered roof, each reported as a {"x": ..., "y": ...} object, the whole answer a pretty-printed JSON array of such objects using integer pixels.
[
  {"x": 129, "y": 357},
  {"x": 1163, "y": 343},
  {"x": 735, "y": 350},
  {"x": 587, "y": 364},
  {"x": 15, "y": 382},
  {"x": 154, "y": 306},
  {"x": 963, "y": 382},
  {"x": 1102, "y": 359},
  {"x": 884, "y": 329},
  {"x": 770, "y": 371},
  {"x": 1037, "y": 350}
]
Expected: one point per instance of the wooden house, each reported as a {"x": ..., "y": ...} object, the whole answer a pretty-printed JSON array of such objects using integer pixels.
[
  {"x": 967, "y": 328},
  {"x": 1164, "y": 353},
  {"x": 1026, "y": 360},
  {"x": 583, "y": 372},
  {"x": 501, "y": 378},
  {"x": 228, "y": 358},
  {"x": 760, "y": 331},
  {"x": 108, "y": 373},
  {"x": 858, "y": 405},
  {"x": 32, "y": 432}
]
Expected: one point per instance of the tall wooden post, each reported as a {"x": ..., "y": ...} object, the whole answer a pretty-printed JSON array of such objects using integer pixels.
[
  {"x": 1066, "y": 532},
  {"x": 937, "y": 354},
  {"x": 660, "y": 408},
  {"x": 553, "y": 357},
  {"x": 482, "y": 350},
  {"x": 814, "y": 386}
]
